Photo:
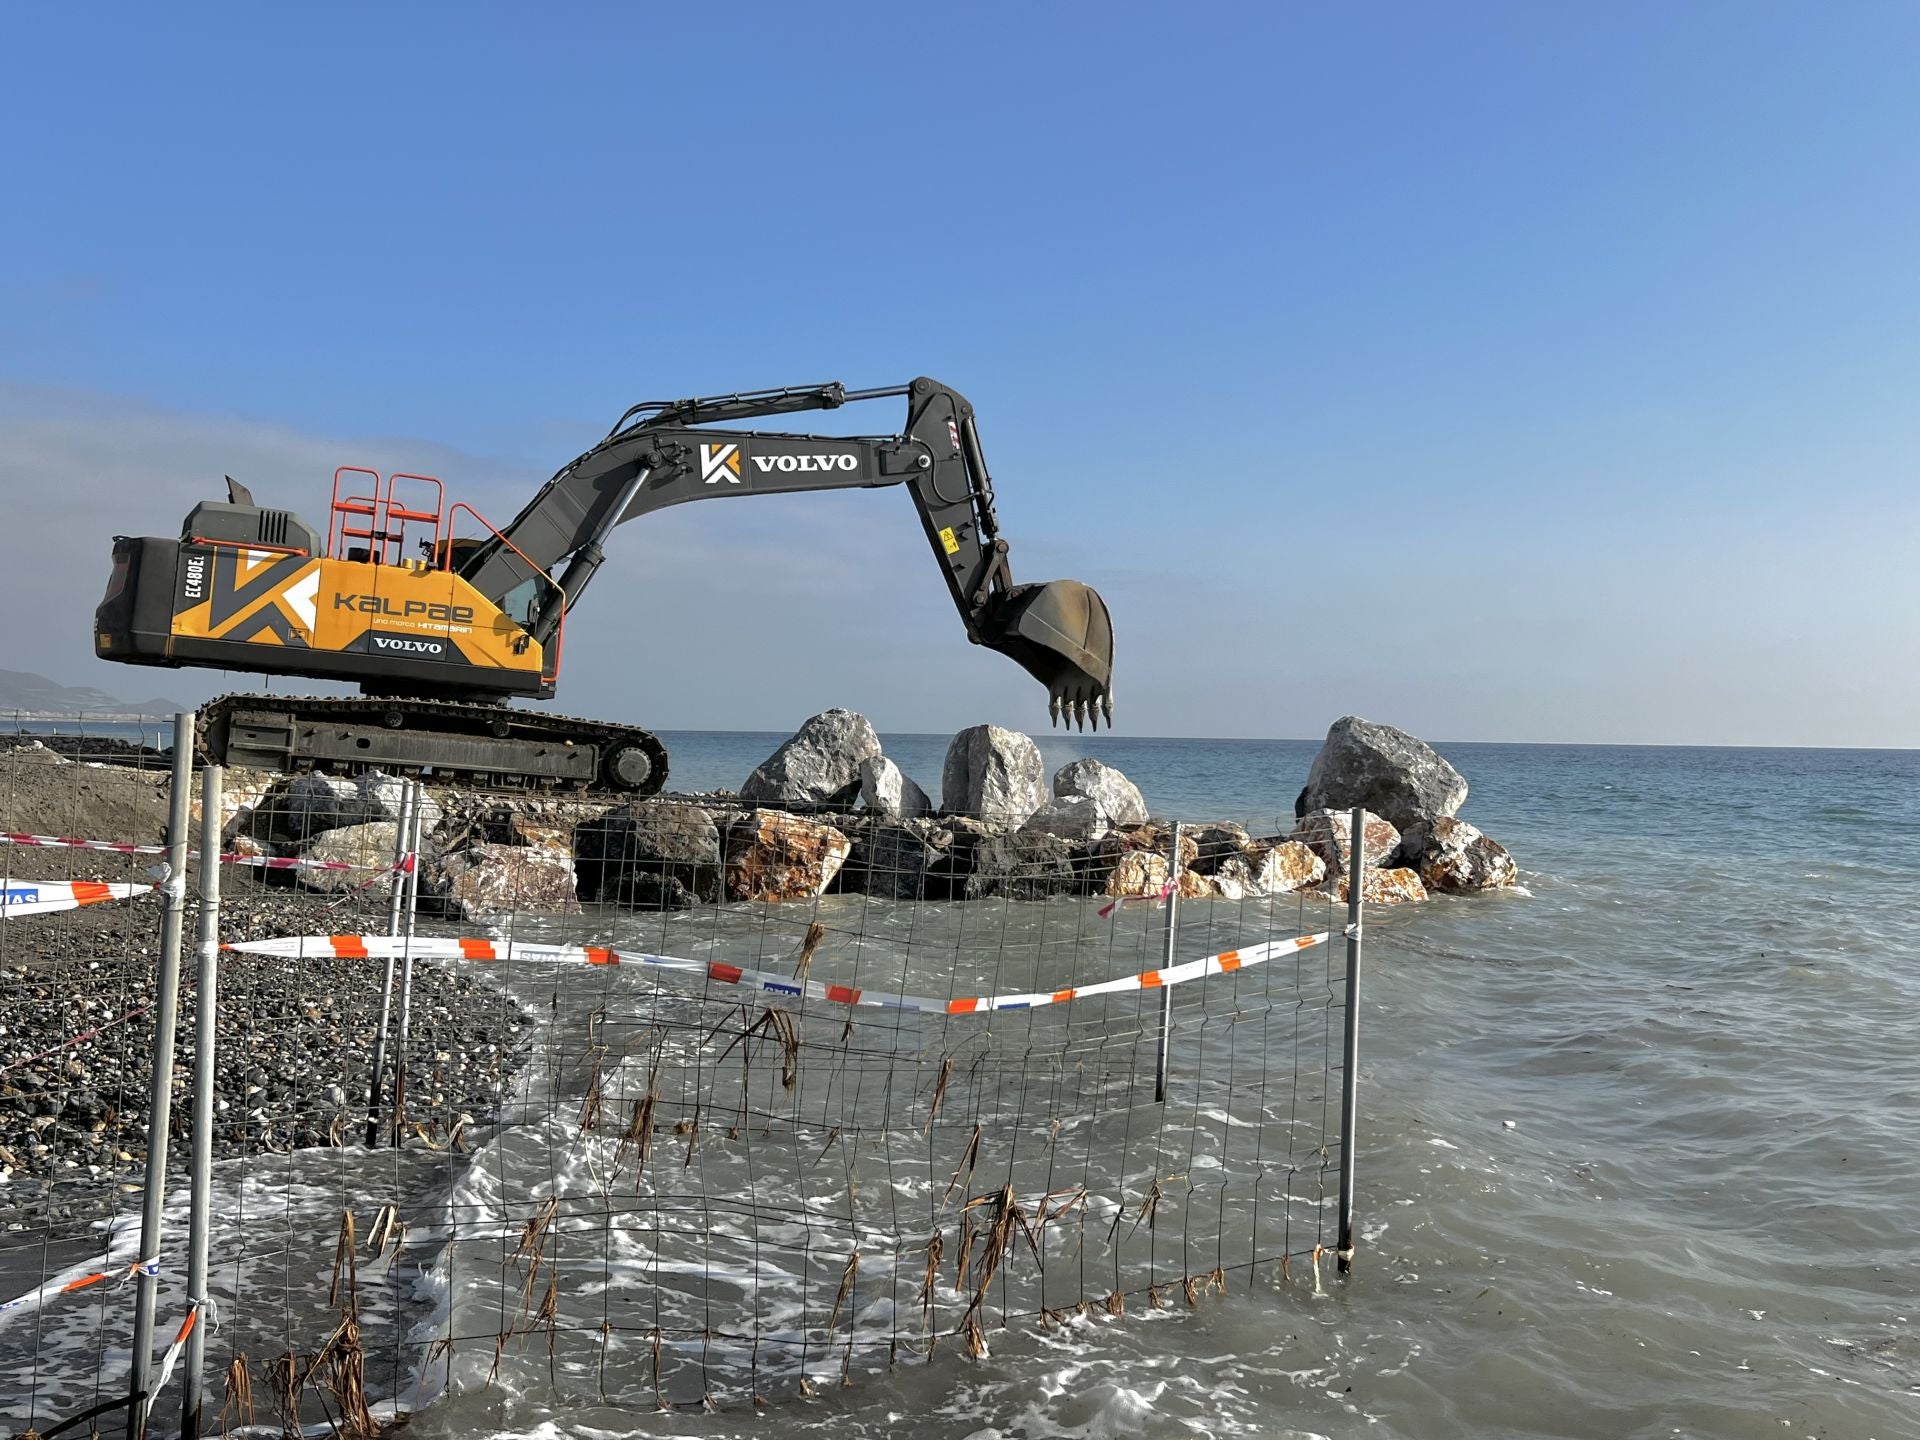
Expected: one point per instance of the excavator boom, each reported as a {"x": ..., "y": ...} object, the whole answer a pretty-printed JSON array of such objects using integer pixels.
[{"x": 667, "y": 454}]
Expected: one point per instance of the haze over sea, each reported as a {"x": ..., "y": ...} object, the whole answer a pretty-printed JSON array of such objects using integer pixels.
[{"x": 1638, "y": 1152}]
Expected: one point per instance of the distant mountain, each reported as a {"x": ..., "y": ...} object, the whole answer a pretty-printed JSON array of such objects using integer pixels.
[{"x": 24, "y": 692}]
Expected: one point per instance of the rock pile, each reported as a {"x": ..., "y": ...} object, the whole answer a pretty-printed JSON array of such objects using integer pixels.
[
  {"x": 851, "y": 822},
  {"x": 828, "y": 811}
]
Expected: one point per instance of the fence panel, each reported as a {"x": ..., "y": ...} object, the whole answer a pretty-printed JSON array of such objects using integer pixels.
[{"x": 650, "y": 1142}]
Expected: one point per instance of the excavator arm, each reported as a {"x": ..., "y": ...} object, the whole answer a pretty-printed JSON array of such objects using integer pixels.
[{"x": 670, "y": 453}]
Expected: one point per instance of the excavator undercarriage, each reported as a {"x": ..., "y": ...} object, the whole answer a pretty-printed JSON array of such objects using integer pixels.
[{"x": 440, "y": 629}]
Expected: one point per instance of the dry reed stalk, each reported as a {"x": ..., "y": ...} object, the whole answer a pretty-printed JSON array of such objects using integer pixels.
[
  {"x": 690, "y": 1129},
  {"x": 548, "y": 1315},
  {"x": 936, "y": 1246},
  {"x": 341, "y": 1365},
  {"x": 343, "y": 1261},
  {"x": 533, "y": 1234},
  {"x": 816, "y": 932},
  {"x": 284, "y": 1376},
  {"x": 832, "y": 1135},
  {"x": 386, "y": 1226},
  {"x": 590, "y": 1103},
  {"x": 969, "y": 1158},
  {"x": 639, "y": 1133},
  {"x": 939, "y": 1092},
  {"x": 976, "y": 1337},
  {"x": 1053, "y": 1207},
  {"x": 840, "y": 1296},
  {"x": 1149, "y": 1206},
  {"x": 238, "y": 1408}
]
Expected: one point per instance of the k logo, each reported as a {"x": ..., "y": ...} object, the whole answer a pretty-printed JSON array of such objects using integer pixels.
[{"x": 720, "y": 462}]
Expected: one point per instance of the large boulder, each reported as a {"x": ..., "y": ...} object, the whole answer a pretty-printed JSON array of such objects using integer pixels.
[
  {"x": 367, "y": 847},
  {"x": 775, "y": 856},
  {"x": 486, "y": 880},
  {"x": 1077, "y": 818},
  {"x": 241, "y": 789},
  {"x": 305, "y": 805},
  {"x": 1268, "y": 868},
  {"x": 885, "y": 789},
  {"x": 818, "y": 765},
  {"x": 899, "y": 860},
  {"x": 648, "y": 850},
  {"x": 302, "y": 806},
  {"x": 1329, "y": 834},
  {"x": 1117, "y": 797},
  {"x": 1387, "y": 771},
  {"x": 994, "y": 775},
  {"x": 1454, "y": 857},
  {"x": 1380, "y": 887},
  {"x": 1216, "y": 843},
  {"x": 1026, "y": 865}
]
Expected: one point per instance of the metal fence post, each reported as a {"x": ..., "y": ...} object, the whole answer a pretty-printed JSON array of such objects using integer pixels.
[
  {"x": 160, "y": 1094},
  {"x": 1166, "y": 991},
  {"x": 404, "y": 862},
  {"x": 412, "y": 879},
  {"x": 205, "y": 1038},
  {"x": 1350, "y": 1048}
]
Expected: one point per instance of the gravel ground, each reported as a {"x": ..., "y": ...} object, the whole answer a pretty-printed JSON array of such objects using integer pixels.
[{"x": 295, "y": 1045}]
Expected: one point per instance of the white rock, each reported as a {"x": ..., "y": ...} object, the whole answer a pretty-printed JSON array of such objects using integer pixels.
[
  {"x": 885, "y": 789},
  {"x": 1076, "y": 818},
  {"x": 1118, "y": 797},
  {"x": 994, "y": 774},
  {"x": 818, "y": 763}
]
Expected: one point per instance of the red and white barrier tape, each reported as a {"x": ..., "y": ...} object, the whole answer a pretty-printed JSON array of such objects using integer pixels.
[
  {"x": 176, "y": 1349},
  {"x": 42, "y": 897},
  {"x": 55, "y": 1288},
  {"x": 264, "y": 862},
  {"x": 380, "y": 947}
]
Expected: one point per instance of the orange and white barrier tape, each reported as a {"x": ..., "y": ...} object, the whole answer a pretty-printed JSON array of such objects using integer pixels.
[
  {"x": 41, "y": 897},
  {"x": 380, "y": 947},
  {"x": 176, "y": 1349},
  {"x": 55, "y": 1288}
]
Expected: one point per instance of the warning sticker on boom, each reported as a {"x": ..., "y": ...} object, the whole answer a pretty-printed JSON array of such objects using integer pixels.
[{"x": 949, "y": 539}]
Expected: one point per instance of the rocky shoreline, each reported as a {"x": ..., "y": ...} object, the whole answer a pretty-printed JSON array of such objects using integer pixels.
[
  {"x": 295, "y": 1041},
  {"x": 827, "y": 813}
]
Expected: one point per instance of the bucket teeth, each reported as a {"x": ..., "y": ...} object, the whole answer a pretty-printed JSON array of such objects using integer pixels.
[{"x": 1079, "y": 707}]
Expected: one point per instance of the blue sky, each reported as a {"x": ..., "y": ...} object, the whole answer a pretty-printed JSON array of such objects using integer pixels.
[{"x": 1506, "y": 372}]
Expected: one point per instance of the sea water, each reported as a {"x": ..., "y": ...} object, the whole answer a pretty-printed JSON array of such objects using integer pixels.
[{"x": 1640, "y": 1147}]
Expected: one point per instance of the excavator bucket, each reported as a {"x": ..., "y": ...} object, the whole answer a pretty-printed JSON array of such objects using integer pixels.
[{"x": 1061, "y": 634}]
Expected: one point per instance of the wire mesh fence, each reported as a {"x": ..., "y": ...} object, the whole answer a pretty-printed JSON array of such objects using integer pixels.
[{"x": 684, "y": 1101}]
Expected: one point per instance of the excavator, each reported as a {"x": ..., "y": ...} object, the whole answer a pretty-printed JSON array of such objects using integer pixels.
[{"x": 442, "y": 621}]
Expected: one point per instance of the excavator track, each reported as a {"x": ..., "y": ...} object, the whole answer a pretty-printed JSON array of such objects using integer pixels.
[{"x": 455, "y": 740}]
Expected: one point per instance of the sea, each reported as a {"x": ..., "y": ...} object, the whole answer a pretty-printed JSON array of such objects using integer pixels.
[{"x": 1639, "y": 1142}]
